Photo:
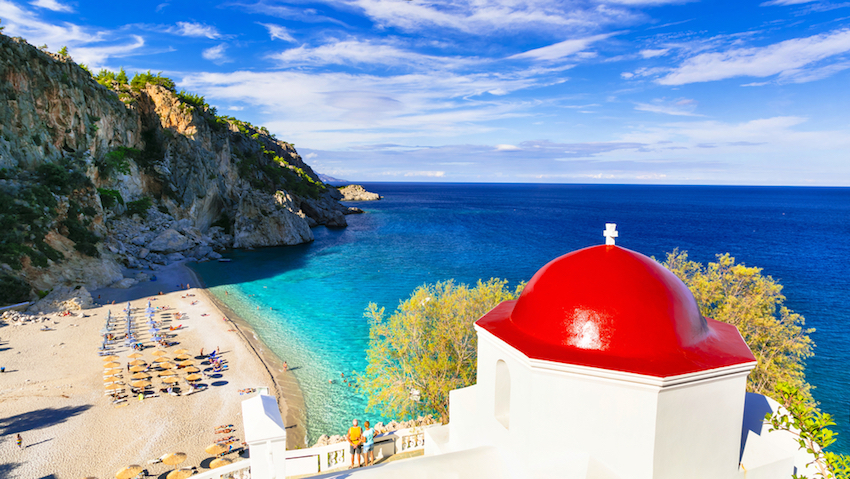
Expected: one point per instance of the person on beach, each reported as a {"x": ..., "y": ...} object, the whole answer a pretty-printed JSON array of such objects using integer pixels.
[
  {"x": 368, "y": 444},
  {"x": 20, "y": 441},
  {"x": 285, "y": 366},
  {"x": 355, "y": 438}
]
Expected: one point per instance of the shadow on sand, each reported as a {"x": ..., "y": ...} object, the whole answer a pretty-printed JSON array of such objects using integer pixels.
[{"x": 38, "y": 419}]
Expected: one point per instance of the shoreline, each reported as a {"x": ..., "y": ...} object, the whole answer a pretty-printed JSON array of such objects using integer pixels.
[
  {"x": 288, "y": 392},
  {"x": 53, "y": 389}
]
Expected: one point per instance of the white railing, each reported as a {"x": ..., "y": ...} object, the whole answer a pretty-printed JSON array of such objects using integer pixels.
[
  {"x": 325, "y": 458},
  {"x": 237, "y": 470}
]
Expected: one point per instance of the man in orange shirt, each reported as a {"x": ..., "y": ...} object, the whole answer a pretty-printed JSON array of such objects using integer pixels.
[{"x": 355, "y": 440}]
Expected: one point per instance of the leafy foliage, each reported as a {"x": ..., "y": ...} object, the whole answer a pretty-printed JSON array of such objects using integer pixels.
[
  {"x": 428, "y": 344},
  {"x": 117, "y": 160},
  {"x": 139, "y": 207},
  {"x": 84, "y": 240},
  {"x": 63, "y": 52},
  {"x": 741, "y": 295},
  {"x": 110, "y": 198},
  {"x": 811, "y": 428},
  {"x": 13, "y": 290},
  {"x": 140, "y": 80}
]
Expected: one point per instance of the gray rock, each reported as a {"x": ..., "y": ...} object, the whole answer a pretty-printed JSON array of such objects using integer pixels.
[
  {"x": 169, "y": 241},
  {"x": 156, "y": 258},
  {"x": 124, "y": 283},
  {"x": 269, "y": 220},
  {"x": 142, "y": 277},
  {"x": 203, "y": 251},
  {"x": 63, "y": 298},
  {"x": 143, "y": 253},
  {"x": 358, "y": 193},
  {"x": 174, "y": 257},
  {"x": 139, "y": 240},
  {"x": 214, "y": 255}
]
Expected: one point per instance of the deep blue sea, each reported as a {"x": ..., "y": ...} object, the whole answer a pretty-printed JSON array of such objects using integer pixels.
[{"x": 422, "y": 233}]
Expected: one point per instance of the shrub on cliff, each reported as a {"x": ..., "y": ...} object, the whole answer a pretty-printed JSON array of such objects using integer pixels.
[
  {"x": 427, "y": 347},
  {"x": 110, "y": 198},
  {"x": 117, "y": 160},
  {"x": 139, "y": 207},
  {"x": 13, "y": 290},
  {"x": 140, "y": 80},
  {"x": 740, "y": 295}
]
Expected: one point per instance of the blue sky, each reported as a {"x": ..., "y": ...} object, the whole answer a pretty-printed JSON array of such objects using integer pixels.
[{"x": 623, "y": 91}]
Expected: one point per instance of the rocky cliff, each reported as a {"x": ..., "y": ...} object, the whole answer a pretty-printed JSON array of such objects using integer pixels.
[{"x": 96, "y": 176}]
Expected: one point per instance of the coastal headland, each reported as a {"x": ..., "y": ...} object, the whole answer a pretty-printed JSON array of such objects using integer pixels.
[{"x": 52, "y": 390}]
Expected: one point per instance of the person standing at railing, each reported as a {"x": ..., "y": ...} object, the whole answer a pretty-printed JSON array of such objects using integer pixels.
[
  {"x": 355, "y": 441},
  {"x": 368, "y": 445}
]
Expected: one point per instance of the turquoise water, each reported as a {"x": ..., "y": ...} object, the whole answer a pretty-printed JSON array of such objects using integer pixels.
[{"x": 429, "y": 232}]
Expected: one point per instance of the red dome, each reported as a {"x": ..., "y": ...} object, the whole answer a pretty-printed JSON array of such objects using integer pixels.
[{"x": 612, "y": 308}]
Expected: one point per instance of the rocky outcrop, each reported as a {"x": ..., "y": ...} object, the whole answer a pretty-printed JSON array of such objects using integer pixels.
[
  {"x": 63, "y": 298},
  {"x": 358, "y": 193},
  {"x": 264, "y": 221},
  {"x": 182, "y": 183}
]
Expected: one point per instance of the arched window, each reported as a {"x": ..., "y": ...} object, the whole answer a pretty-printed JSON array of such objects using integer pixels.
[{"x": 503, "y": 394}]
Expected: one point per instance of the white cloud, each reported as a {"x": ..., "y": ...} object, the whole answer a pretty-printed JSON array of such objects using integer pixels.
[
  {"x": 563, "y": 49},
  {"x": 507, "y": 148},
  {"x": 193, "y": 29},
  {"x": 52, "y": 5},
  {"x": 356, "y": 52},
  {"x": 95, "y": 56},
  {"x": 681, "y": 107},
  {"x": 310, "y": 156},
  {"x": 430, "y": 174},
  {"x": 786, "y": 59},
  {"x": 216, "y": 54},
  {"x": 277, "y": 32},
  {"x": 652, "y": 53},
  {"x": 491, "y": 17},
  {"x": 772, "y": 3}
]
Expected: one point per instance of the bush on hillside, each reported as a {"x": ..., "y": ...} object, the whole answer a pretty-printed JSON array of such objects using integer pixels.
[
  {"x": 140, "y": 80},
  {"x": 139, "y": 207},
  {"x": 13, "y": 290}
]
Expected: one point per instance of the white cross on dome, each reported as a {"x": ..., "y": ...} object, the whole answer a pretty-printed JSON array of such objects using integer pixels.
[{"x": 610, "y": 233}]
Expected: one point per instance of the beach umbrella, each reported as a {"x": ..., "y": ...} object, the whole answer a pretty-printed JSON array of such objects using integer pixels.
[
  {"x": 135, "y": 355},
  {"x": 174, "y": 458},
  {"x": 107, "y": 382},
  {"x": 161, "y": 359},
  {"x": 129, "y": 472},
  {"x": 159, "y": 352},
  {"x": 105, "y": 330},
  {"x": 171, "y": 380},
  {"x": 111, "y": 372},
  {"x": 167, "y": 373},
  {"x": 112, "y": 365},
  {"x": 181, "y": 351},
  {"x": 137, "y": 369},
  {"x": 183, "y": 356},
  {"x": 191, "y": 369},
  {"x": 215, "y": 449},
  {"x": 165, "y": 365},
  {"x": 187, "y": 362},
  {"x": 111, "y": 357},
  {"x": 140, "y": 384},
  {"x": 194, "y": 377},
  {"x": 137, "y": 362},
  {"x": 140, "y": 375},
  {"x": 221, "y": 461},
  {"x": 113, "y": 387},
  {"x": 184, "y": 473}
]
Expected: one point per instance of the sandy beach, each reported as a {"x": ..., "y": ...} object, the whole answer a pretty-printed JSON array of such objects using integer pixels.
[{"x": 52, "y": 392}]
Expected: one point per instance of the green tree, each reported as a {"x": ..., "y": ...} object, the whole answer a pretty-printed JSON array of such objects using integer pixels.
[
  {"x": 121, "y": 77},
  {"x": 811, "y": 428},
  {"x": 63, "y": 51},
  {"x": 741, "y": 295},
  {"x": 428, "y": 345}
]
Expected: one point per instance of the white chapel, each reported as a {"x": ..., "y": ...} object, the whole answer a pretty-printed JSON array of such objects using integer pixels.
[{"x": 604, "y": 368}]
